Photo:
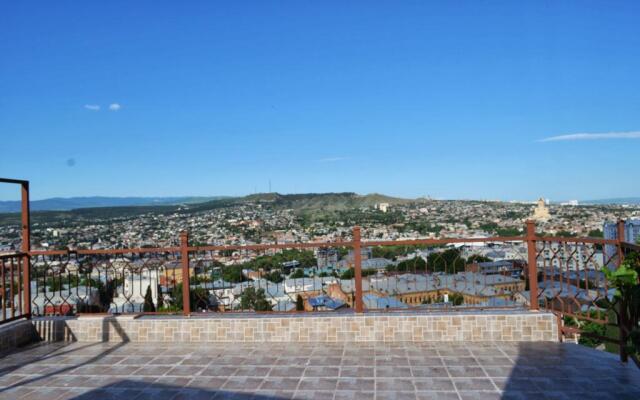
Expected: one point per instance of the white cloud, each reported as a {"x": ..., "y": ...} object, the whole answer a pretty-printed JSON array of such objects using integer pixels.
[
  {"x": 333, "y": 159},
  {"x": 114, "y": 107},
  {"x": 92, "y": 107},
  {"x": 593, "y": 136}
]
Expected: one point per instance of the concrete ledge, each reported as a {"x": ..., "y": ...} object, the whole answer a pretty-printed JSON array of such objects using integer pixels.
[
  {"x": 16, "y": 334},
  {"x": 390, "y": 327}
]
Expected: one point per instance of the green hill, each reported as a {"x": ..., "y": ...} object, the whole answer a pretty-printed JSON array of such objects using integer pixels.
[{"x": 306, "y": 203}]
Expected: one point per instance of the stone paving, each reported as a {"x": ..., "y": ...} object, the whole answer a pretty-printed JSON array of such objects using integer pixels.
[{"x": 507, "y": 370}]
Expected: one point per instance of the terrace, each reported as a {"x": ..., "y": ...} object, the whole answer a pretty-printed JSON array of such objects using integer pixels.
[
  {"x": 186, "y": 322},
  {"x": 403, "y": 370}
]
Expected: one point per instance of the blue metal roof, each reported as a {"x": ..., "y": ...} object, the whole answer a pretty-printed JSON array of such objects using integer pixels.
[{"x": 325, "y": 301}]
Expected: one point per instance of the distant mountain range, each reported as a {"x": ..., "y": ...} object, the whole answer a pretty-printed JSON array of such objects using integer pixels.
[{"x": 72, "y": 203}]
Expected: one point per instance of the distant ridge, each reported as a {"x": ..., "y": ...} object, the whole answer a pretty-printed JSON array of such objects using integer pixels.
[
  {"x": 308, "y": 204},
  {"x": 325, "y": 201},
  {"x": 72, "y": 203},
  {"x": 302, "y": 201}
]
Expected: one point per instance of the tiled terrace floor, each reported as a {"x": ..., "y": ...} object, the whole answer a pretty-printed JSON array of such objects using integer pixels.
[{"x": 316, "y": 371}]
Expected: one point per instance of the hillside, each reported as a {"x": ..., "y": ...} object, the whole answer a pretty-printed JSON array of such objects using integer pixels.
[
  {"x": 325, "y": 201},
  {"x": 301, "y": 203}
]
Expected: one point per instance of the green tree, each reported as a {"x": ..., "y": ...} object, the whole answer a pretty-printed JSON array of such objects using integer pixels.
[
  {"x": 160, "y": 298},
  {"x": 507, "y": 232},
  {"x": 351, "y": 273},
  {"x": 232, "y": 273},
  {"x": 348, "y": 274},
  {"x": 456, "y": 299},
  {"x": 148, "y": 301},
  {"x": 593, "y": 328},
  {"x": 299, "y": 303},
  {"x": 298, "y": 273},
  {"x": 198, "y": 299},
  {"x": 108, "y": 291},
  {"x": 587, "y": 328},
  {"x": 417, "y": 264},
  {"x": 595, "y": 233},
  {"x": 55, "y": 284},
  {"x": 252, "y": 299},
  {"x": 625, "y": 304},
  {"x": 488, "y": 226},
  {"x": 448, "y": 261},
  {"x": 274, "y": 276}
]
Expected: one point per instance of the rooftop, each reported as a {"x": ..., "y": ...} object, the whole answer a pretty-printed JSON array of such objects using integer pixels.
[{"x": 485, "y": 370}]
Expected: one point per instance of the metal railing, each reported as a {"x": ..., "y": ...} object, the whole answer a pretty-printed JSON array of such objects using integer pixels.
[
  {"x": 563, "y": 275},
  {"x": 14, "y": 287},
  {"x": 183, "y": 279},
  {"x": 15, "y": 295}
]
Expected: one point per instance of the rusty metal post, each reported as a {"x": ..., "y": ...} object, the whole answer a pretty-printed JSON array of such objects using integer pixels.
[
  {"x": 26, "y": 249},
  {"x": 532, "y": 264},
  {"x": 186, "y": 286},
  {"x": 357, "y": 266},
  {"x": 620, "y": 239}
]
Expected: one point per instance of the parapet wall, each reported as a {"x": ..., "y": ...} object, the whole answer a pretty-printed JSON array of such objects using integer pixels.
[{"x": 388, "y": 327}]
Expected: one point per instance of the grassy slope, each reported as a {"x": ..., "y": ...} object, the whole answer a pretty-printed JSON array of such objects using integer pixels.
[{"x": 309, "y": 202}]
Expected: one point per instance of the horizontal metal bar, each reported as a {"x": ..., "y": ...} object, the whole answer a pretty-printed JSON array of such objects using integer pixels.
[{"x": 16, "y": 181}]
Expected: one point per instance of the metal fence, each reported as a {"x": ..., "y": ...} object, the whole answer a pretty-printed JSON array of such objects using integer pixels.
[
  {"x": 563, "y": 275},
  {"x": 14, "y": 290},
  {"x": 15, "y": 266}
]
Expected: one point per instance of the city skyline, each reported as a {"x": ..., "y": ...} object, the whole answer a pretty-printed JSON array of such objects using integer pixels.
[{"x": 508, "y": 101}]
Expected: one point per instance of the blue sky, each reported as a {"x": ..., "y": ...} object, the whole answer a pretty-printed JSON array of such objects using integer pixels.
[{"x": 411, "y": 98}]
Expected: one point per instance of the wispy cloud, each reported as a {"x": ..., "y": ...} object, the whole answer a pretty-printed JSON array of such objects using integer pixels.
[
  {"x": 332, "y": 159},
  {"x": 114, "y": 107},
  {"x": 92, "y": 107},
  {"x": 593, "y": 136}
]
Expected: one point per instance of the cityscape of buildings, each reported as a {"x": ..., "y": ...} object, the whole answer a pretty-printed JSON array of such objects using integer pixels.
[
  {"x": 259, "y": 221},
  {"x": 484, "y": 274}
]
